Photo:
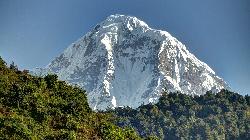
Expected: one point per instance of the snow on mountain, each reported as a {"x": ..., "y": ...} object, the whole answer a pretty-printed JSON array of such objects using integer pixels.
[{"x": 124, "y": 62}]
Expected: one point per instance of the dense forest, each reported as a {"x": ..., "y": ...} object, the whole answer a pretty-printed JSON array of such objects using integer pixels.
[
  {"x": 45, "y": 108},
  {"x": 225, "y": 115}
]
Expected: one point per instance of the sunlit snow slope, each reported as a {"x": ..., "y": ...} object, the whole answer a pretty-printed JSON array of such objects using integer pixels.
[{"x": 123, "y": 62}]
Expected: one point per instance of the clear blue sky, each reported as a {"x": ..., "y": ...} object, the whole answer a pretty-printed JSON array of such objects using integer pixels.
[{"x": 33, "y": 32}]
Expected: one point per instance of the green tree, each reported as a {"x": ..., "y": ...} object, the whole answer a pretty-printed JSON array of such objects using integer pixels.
[{"x": 13, "y": 66}]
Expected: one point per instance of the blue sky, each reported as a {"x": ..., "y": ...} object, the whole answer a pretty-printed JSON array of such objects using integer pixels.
[{"x": 33, "y": 32}]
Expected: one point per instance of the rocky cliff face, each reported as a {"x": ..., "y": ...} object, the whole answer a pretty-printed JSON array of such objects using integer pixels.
[{"x": 124, "y": 62}]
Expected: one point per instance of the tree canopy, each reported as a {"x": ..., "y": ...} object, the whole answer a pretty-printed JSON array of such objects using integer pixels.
[
  {"x": 46, "y": 108},
  {"x": 225, "y": 115}
]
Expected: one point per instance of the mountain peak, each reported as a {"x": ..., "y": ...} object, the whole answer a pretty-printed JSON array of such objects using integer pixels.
[
  {"x": 123, "y": 62},
  {"x": 130, "y": 22}
]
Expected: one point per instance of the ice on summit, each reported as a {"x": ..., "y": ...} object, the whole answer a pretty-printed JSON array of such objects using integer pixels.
[{"x": 124, "y": 62}]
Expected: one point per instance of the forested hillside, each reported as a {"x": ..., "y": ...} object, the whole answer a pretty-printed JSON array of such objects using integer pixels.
[
  {"x": 225, "y": 115},
  {"x": 45, "y": 108}
]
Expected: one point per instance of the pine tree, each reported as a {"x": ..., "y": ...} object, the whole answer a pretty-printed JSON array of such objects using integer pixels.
[{"x": 13, "y": 66}]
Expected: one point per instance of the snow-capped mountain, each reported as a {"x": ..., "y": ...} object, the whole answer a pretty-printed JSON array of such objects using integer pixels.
[{"x": 124, "y": 62}]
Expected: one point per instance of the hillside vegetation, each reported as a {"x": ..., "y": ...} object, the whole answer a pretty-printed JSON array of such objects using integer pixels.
[
  {"x": 45, "y": 108},
  {"x": 225, "y": 115}
]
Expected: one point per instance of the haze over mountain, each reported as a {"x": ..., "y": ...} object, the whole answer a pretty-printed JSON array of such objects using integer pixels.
[{"x": 124, "y": 62}]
